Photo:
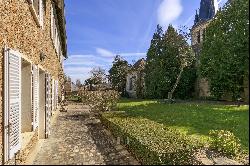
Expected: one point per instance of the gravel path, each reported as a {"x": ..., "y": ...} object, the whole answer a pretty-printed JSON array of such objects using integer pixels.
[{"x": 79, "y": 138}]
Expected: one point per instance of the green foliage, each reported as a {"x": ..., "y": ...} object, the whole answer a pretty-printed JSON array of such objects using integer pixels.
[
  {"x": 152, "y": 70},
  {"x": 171, "y": 133},
  {"x": 97, "y": 77},
  {"x": 140, "y": 87},
  {"x": 100, "y": 100},
  {"x": 225, "y": 51},
  {"x": 225, "y": 142},
  {"x": 168, "y": 53},
  {"x": 187, "y": 83},
  {"x": 192, "y": 118},
  {"x": 118, "y": 73},
  {"x": 152, "y": 142}
]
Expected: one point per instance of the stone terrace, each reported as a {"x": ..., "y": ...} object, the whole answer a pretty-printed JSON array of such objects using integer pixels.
[{"x": 79, "y": 138}]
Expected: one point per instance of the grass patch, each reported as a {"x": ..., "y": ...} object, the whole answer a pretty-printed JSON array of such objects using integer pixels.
[
  {"x": 169, "y": 133},
  {"x": 193, "y": 119}
]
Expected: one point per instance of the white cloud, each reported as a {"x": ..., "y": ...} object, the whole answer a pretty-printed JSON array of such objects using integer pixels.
[
  {"x": 104, "y": 53},
  {"x": 169, "y": 11},
  {"x": 81, "y": 61},
  {"x": 108, "y": 54},
  {"x": 216, "y": 5},
  {"x": 74, "y": 72},
  {"x": 133, "y": 54},
  {"x": 78, "y": 66},
  {"x": 87, "y": 60}
]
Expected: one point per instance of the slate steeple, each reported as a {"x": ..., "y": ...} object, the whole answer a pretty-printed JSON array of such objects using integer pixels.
[
  {"x": 207, "y": 11},
  {"x": 196, "y": 20}
]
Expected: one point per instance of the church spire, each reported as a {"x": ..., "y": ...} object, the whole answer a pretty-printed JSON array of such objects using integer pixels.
[
  {"x": 208, "y": 9},
  {"x": 196, "y": 20}
]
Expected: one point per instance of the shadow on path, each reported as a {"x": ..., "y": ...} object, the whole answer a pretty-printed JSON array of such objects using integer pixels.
[{"x": 78, "y": 137}]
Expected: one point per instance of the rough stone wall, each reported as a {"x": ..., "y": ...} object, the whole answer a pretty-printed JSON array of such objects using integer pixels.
[
  {"x": 20, "y": 32},
  {"x": 24, "y": 153},
  {"x": 200, "y": 27},
  {"x": 131, "y": 93},
  {"x": 203, "y": 88}
]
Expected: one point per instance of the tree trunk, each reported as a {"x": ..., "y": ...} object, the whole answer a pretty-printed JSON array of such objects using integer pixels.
[{"x": 170, "y": 94}]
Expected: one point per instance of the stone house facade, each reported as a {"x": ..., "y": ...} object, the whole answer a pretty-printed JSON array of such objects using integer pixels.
[
  {"x": 135, "y": 84},
  {"x": 33, "y": 47}
]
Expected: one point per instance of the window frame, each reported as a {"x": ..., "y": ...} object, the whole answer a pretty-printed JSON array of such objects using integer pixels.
[
  {"x": 203, "y": 34},
  {"x": 37, "y": 16},
  {"x": 55, "y": 34},
  {"x": 198, "y": 36}
]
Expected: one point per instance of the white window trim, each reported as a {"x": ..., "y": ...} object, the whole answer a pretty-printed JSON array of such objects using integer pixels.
[
  {"x": 55, "y": 36},
  {"x": 35, "y": 108},
  {"x": 38, "y": 18}
]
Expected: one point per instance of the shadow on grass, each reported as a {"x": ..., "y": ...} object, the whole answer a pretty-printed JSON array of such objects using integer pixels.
[{"x": 194, "y": 118}]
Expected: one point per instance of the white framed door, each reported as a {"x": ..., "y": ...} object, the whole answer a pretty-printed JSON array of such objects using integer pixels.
[
  {"x": 35, "y": 96},
  {"x": 56, "y": 94},
  {"x": 48, "y": 108},
  {"x": 53, "y": 93},
  {"x": 12, "y": 103}
]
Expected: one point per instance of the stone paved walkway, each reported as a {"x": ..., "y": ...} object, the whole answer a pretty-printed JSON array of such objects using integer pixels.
[{"x": 78, "y": 137}]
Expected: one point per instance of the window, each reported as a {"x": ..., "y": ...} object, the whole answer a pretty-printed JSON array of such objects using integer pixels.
[
  {"x": 37, "y": 11},
  {"x": 131, "y": 83},
  {"x": 198, "y": 37},
  {"x": 55, "y": 35},
  {"x": 203, "y": 34}
]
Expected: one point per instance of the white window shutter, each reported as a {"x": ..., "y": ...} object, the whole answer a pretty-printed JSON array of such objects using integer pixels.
[
  {"x": 12, "y": 103},
  {"x": 48, "y": 104},
  {"x": 35, "y": 95}
]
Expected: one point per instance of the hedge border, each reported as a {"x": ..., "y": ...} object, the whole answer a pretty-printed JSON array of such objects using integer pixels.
[{"x": 143, "y": 153}]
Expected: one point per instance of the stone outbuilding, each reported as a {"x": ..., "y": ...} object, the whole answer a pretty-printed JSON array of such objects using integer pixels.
[
  {"x": 33, "y": 46},
  {"x": 135, "y": 84}
]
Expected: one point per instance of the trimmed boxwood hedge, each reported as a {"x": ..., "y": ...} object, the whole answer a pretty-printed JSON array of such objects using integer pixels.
[{"x": 151, "y": 142}]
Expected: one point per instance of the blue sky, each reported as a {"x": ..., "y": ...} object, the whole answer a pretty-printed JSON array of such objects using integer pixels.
[{"x": 97, "y": 30}]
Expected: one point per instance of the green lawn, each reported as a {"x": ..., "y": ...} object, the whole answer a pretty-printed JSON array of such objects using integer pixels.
[{"x": 191, "y": 119}]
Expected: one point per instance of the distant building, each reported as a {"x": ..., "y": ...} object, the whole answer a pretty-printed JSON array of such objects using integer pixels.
[
  {"x": 74, "y": 87},
  {"x": 135, "y": 84},
  {"x": 67, "y": 86}
]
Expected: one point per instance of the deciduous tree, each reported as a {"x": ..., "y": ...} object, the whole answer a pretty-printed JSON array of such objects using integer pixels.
[{"x": 118, "y": 73}]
